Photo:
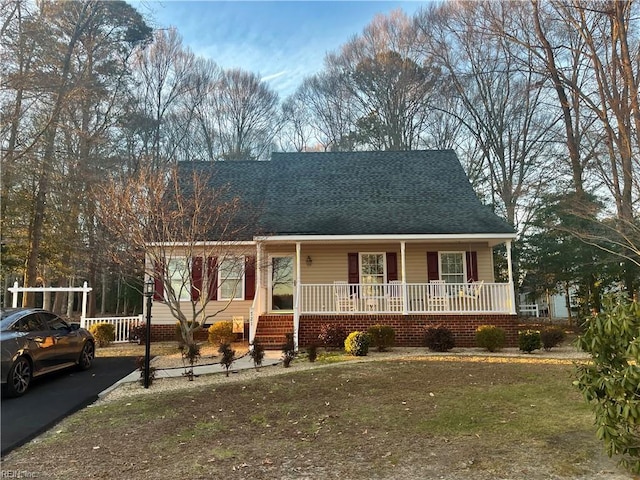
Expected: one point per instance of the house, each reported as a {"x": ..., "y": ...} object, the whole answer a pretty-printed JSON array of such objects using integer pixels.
[{"x": 359, "y": 238}]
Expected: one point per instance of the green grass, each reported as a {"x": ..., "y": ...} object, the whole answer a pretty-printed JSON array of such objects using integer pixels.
[{"x": 385, "y": 419}]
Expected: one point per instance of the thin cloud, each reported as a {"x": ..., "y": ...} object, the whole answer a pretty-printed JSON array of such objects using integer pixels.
[{"x": 271, "y": 77}]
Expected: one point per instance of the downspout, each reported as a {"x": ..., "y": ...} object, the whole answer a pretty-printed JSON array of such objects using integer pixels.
[
  {"x": 512, "y": 292},
  {"x": 296, "y": 301}
]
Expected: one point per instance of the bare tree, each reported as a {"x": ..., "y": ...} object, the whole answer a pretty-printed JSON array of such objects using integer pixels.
[
  {"x": 503, "y": 105},
  {"x": 164, "y": 73},
  {"x": 246, "y": 115},
  {"x": 390, "y": 87},
  {"x": 331, "y": 115},
  {"x": 187, "y": 232}
]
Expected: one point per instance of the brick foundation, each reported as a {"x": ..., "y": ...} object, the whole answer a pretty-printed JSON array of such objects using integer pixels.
[
  {"x": 410, "y": 329},
  {"x": 167, "y": 333}
]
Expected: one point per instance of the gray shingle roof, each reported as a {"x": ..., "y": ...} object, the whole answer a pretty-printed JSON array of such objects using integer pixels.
[{"x": 356, "y": 193}]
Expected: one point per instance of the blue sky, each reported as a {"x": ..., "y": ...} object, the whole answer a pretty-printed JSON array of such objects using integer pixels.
[{"x": 282, "y": 41}]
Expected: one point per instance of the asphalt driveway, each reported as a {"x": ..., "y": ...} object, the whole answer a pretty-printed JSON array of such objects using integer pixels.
[{"x": 51, "y": 398}]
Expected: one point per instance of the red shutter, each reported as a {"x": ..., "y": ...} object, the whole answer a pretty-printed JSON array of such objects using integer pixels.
[
  {"x": 392, "y": 266},
  {"x": 354, "y": 270},
  {"x": 433, "y": 268},
  {"x": 472, "y": 266},
  {"x": 212, "y": 275},
  {"x": 196, "y": 278},
  {"x": 249, "y": 278},
  {"x": 158, "y": 280}
]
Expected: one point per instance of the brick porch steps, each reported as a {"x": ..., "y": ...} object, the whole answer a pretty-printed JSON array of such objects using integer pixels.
[{"x": 272, "y": 330}]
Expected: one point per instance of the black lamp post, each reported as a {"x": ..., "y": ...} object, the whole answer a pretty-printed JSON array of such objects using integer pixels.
[{"x": 149, "y": 288}]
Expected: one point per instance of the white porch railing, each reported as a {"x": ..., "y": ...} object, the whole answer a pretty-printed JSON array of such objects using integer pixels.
[
  {"x": 123, "y": 325},
  {"x": 410, "y": 298},
  {"x": 529, "y": 310}
]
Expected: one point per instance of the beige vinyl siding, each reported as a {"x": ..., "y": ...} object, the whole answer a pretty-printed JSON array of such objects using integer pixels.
[
  {"x": 329, "y": 263},
  {"x": 417, "y": 259},
  {"x": 161, "y": 315}
]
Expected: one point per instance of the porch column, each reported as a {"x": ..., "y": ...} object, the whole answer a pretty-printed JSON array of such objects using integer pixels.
[
  {"x": 403, "y": 267},
  {"x": 512, "y": 293},
  {"x": 296, "y": 298},
  {"x": 257, "y": 301}
]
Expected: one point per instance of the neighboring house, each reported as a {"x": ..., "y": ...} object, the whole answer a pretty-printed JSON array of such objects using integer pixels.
[
  {"x": 553, "y": 306},
  {"x": 360, "y": 238}
]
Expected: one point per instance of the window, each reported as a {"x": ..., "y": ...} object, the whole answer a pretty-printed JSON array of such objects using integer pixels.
[
  {"x": 230, "y": 278},
  {"x": 452, "y": 267},
  {"x": 54, "y": 322},
  {"x": 29, "y": 323},
  {"x": 179, "y": 278},
  {"x": 372, "y": 272}
]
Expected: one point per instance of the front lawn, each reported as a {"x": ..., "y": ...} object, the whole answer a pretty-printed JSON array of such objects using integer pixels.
[{"x": 437, "y": 417}]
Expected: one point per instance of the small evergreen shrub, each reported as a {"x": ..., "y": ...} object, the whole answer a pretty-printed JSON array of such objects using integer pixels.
[
  {"x": 552, "y": 337},
  {"x": 332, "y": 335},
  {"x": 529, "y": 340},
  {"x": 140, "y": 365},
  {"x": 357, "y": 344},
  {"x": 190, "y": 355},
  {"x": 257, "y": 353},
  {"x": 221, "y": 333},
  {"x": 312, "y": 352},
  {"x": 228, "y": 356},
  {"x": 178, "y": 331},
  {"x": 104, "y": 333},
  {"x": 288, "y": 351},
  {"x": 490, "y": 337},
  {"x": 382, "y": 337},
  {"x": 439, "y": 339}
]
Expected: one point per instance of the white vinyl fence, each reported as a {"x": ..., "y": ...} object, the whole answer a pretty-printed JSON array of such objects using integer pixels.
[{"x": 123, "y": 325}]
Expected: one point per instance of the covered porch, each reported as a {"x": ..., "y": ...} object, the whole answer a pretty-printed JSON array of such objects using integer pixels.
[{"x": 321, "y": 285}]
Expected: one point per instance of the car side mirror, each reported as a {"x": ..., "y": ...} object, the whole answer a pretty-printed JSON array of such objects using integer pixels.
[{"x": 74, "y": 326}]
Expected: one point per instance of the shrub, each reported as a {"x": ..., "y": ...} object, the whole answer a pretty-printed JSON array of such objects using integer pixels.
[
  {"x": 357, "y": 344},
  {"x": 382, "y": 337},
  {"x": 221, "y": 333},
  {"x": 439, "y": 339},
  {"x": 178, "y": 331},
  {"x": 312, "y": 352},
  {"x": 529, "y": 340},
  {"x": 552, "y": 337},
  {"x": 332, "y": 335},
  {"x": 610, "y": 381},
  {"x": 490, "y": 337},
  {"x": 140, "y": 365},
  {"x": 104, "y": 333},
  {"x": 228, "y": 356},
  {"x": 190, "y": 355},
  {"x": 138, "y": 334},
  {"x": 257, "y": 353},
  {"x": 288, "y": 351}
]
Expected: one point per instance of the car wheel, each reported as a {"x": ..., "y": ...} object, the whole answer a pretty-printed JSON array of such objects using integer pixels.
[
  {"x": 86, "y": 356},
  {"x": 19, "y": 377}
]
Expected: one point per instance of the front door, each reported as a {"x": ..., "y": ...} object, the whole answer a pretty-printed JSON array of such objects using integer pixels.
[{"x": 282, "y": 284}]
